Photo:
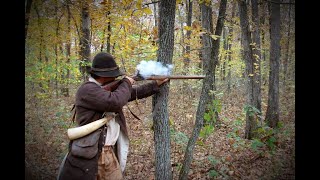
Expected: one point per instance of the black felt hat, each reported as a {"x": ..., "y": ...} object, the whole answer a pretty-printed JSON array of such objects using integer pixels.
[{"x": 104, "y": 65}]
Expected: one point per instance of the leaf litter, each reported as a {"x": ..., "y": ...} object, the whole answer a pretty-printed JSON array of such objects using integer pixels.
[{"x": 224, "y": 154}]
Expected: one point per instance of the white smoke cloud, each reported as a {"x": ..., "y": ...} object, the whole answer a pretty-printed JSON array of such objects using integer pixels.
[{"x": 149, "y": 68}]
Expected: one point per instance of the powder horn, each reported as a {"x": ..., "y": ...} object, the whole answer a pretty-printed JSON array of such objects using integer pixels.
[{"x": 78, "y": 132}]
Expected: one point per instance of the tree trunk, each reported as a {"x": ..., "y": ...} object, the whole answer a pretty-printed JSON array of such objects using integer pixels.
[
  {"x": 256, "y": 55},
  {"x": 251, "y": 121},
  {"x": 84, "y": 41},
  {"x": 186, "y": 60},
  {"x": 200, "y": 65},
  {"x": 216, "y": 44},
  {"x": 102, "y": 40},
  {"x": 40, "y": 44},
  {"x": 56, "y": 48},
  {"x": 108, "y": 32},
  {"x": 209, "y": 60},
  {"x": 68, "y": 53},
  {"x": 286, "y": 58},
  {"x": 27, "y": 16},
  {"x": 230, "y": 40},
  {"x": 106, "y": 8},
  {"x": 272, "y": 114},
  {"x": 182, "y": 34},
  {"x": 161, "y": 119},
  {"x": 264, "y": 10},
  {"x": 225, "y": 48},
  {"x": 155, "y": 14}
]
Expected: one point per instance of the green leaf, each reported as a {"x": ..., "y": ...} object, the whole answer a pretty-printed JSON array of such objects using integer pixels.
[
  {"x": 212, "y": 160},
  {"x": 206, "y": 131},
  {"x": 256, "y": 143},
  {"x": 213, "y": 173},
  {"x": 200, "y": 143},
  {"x": 207, "y": 117}
]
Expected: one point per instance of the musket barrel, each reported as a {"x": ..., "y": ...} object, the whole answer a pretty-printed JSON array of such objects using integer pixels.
[{"x": 176, "y": 77}]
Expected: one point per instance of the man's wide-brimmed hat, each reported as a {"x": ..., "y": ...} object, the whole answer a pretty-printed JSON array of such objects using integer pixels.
[{"x": 104, "y": 65}]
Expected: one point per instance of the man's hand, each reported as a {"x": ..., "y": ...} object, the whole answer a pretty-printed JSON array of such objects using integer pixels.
[
  {"x": 132, "y": 81},
  {"x": 160, "y": 82}
]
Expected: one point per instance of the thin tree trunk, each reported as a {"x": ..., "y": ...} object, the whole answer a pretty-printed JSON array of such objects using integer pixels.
[
  {"x": 230, "y": 40},
  {"x": 40, "y": 44},
  {"x": 251, "y": 123},
  {"x": 286, "y": 58},
  {"x": 109, "y": 33},
  {"x": 41, "y": 32},
  {"x": 84, "y": 40},
  {"x": 225, "y": 47},
  {"x": 264, "y": 10},
  {"x": 76, "y": 48},
  {"x": 68, "y": 52},
  {"x": 161, "y": 119},
  {"x": 209, "y": 60},
  {"x": 272, "y": 114},
  {"x": 56, "y": 48},
  {"x": 155, "y": 14},
  {"x": 102, "y": 41},
  {"x": 200, "y": 65},
  {"x": 27, "y": 17},
  {"x": 256, "y": 56},
  {"x": 108, "y": 7},
  {"x": 186, "y": 60},
  {"x": 182, "y": 34}
]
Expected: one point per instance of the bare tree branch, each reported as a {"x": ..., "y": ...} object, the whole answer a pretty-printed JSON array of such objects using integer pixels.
[
  {"x": 279, "y": 2},
  {"x": 146, "y": 4}
]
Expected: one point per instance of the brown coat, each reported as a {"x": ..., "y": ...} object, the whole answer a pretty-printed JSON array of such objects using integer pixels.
[{"x": 91, "y": 102}]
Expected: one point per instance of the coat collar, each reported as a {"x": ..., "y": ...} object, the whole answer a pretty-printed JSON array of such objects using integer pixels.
[{"x": 91, "y": 79}]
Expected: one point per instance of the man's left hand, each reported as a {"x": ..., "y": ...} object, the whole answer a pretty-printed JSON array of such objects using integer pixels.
[{"x": 162, "y": 81}]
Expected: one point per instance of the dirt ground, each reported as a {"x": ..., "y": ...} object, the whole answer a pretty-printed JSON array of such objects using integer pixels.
[{"x": 225, "y": 154}]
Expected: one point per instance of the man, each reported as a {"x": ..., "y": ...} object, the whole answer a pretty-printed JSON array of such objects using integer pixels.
[{"x": 102, "y": 154}]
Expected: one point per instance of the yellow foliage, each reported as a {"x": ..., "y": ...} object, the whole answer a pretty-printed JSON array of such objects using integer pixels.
[
  {"x": 147, "y": 11},
  {"x": 187, "y": 28},
  {"x": 215, "y": 37}
]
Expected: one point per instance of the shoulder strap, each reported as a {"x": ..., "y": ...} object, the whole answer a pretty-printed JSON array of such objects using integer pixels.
[
  {"x": 74, "y": 113},
  {"x": 133, "y": 114}
]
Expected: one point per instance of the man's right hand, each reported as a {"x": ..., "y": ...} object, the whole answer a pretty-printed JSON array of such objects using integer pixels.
[{"x": 132, "y": 81}]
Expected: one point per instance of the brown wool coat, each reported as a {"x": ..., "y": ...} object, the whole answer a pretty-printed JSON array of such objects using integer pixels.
[{"x": 91, "y": 102}]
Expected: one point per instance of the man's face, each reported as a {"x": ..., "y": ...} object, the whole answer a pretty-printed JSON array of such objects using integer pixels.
[{"x": 104, "y": 80}]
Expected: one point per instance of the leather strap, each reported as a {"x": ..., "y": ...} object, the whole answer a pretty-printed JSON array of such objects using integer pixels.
[{"x": 133, "y": 114}]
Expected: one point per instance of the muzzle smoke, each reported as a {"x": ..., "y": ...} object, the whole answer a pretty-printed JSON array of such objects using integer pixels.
[{"x": 149, "y": 68}]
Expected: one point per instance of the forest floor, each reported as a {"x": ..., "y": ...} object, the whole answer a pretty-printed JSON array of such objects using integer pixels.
[{"x": 224, "y": 154}]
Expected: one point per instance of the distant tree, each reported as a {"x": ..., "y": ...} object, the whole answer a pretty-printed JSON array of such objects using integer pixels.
[
  {"x": 256, "y": 50},
  {"x": 287, "y": 47},
  {"x": 210, "y": 58},
  {"x": 272, "y": 114},
  {"x": 85, "y": 40},
  {"x": 230, "y": 39},
  {"x": 27, "y": 17},
  {"x": 186, "y": 60},
  {"x": 107, "y": 4},
  {"x": 65, "y": 88},
  {"x": 247, "y": 53},
  {"x": 224, "y": 56},
  {"x": 155, "y": 13}
]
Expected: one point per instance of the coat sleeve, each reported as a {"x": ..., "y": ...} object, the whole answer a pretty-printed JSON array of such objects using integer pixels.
[
  {"x": 144, "y": 90},
  {"x": 92, "y": 96}
]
